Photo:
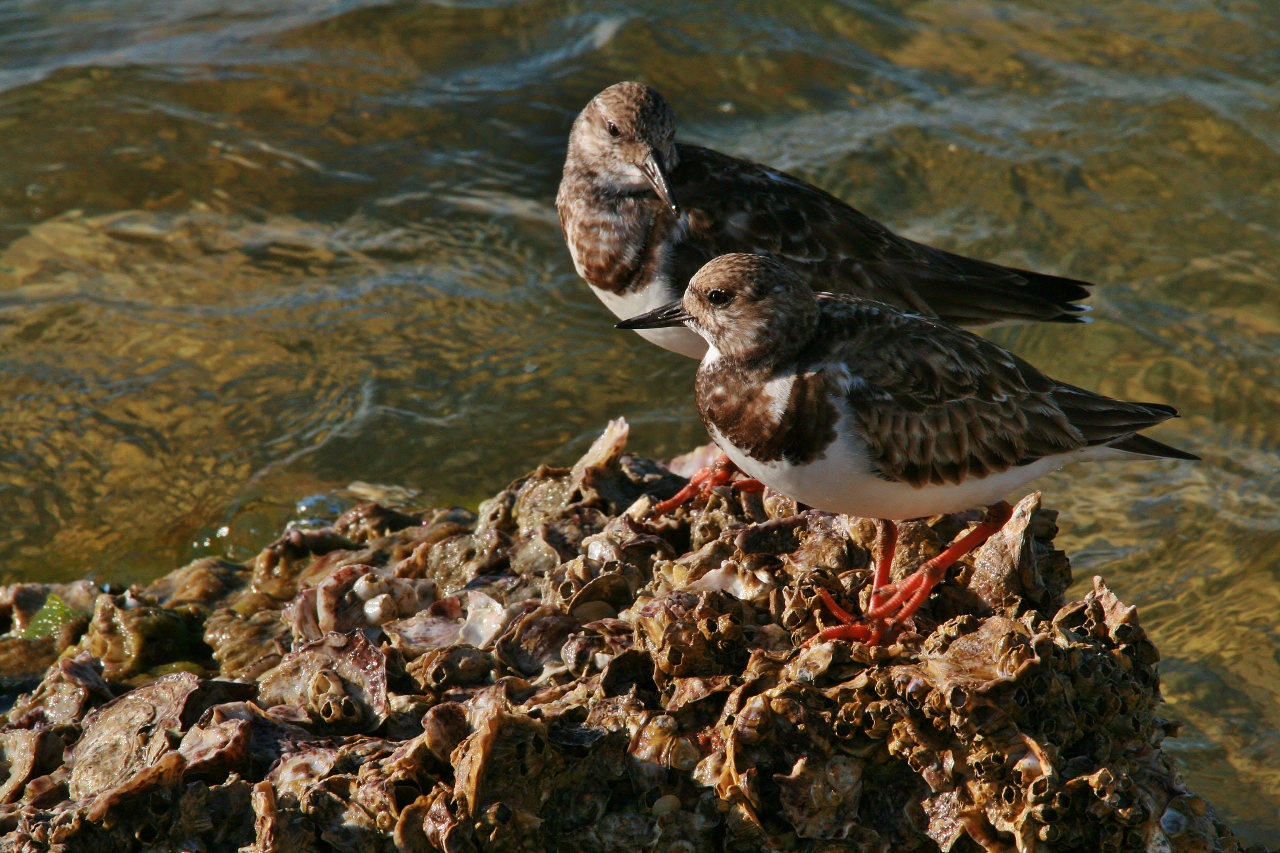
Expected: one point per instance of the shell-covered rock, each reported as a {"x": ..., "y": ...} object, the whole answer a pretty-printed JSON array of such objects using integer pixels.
[{"x": 563, "y": 671}]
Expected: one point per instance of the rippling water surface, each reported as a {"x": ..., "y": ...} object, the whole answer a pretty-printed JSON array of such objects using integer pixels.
[{"x": 253, "y": 251}]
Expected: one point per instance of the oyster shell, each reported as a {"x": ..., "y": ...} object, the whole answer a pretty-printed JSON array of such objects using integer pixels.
[
  {"x": 131, "y": 634},
  {"x": 69, "y": 689},
  {"x": 208, "y": 581},
  {"x": 1018, "y": 567},
  {"x": 820, "y": 797},
  {"x": 534, "y": 640},
  {"x": 474, "y": 619},
  {"x": 245, "y": 646},
  {"x": 456, "y": 561},
  {"x": 436, "y": 627},
  {"x": 371, "y": 521},
  {"x": 278, "y": 568},
  {"x": 24, "y": 755},
  {"x": 452, "y": 666},
  {"x": 136, "y": 731},
  {"x": 214, "y": 750},
  {"x": 356, "y": 597}
]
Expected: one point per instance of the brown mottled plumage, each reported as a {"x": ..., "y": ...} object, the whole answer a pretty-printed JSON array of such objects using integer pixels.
[
  {"x": 798, "y": 388},
  {"x": 806, "y": 427},
  {"x": 937, "y": 405},
  {"x": 638, "y": 250}
]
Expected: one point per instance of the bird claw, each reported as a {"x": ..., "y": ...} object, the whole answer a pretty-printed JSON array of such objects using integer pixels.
[
  {"x": 868, "y": 634},
  {"x": 718, "y": 473},
  {"x": 851, "y": 628}
]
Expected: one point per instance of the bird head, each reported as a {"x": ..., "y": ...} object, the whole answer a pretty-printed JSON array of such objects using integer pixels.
[
  {"x": 747, "y": 307},
  {"x": 626, "y": 135}
]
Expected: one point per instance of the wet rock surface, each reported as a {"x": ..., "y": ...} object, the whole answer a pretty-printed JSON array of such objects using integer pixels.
[{"x": 560, "y": 671}]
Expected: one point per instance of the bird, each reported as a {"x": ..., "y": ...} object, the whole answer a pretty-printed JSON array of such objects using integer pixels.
[
  {"x": 641, "y": 213},
  {"x": 855, "y": 406}
]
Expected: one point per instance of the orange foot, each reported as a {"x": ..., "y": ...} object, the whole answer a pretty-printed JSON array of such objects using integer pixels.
[
  {"x": 902, "y": 599},
  {"x": 718, "y": 473}
]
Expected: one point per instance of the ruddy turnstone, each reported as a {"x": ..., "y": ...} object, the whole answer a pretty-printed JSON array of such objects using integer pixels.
[
  {"x": 642, "y": 213},
  {"x": 858, "y": 407}
]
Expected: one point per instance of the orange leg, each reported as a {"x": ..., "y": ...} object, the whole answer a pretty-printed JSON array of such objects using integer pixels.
[
  {"x": 836, "y": 610},
  {"x": 888, "y": 535},
  {"x": 852, "y": 628},
  {"x": 902, "y": 599},
  {"x": 718, "y": 473}
]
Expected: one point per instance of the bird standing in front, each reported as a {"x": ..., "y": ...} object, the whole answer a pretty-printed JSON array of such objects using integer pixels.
[
  {"x": 642, "y": 213},
  {"x": 858, "y": 407}
]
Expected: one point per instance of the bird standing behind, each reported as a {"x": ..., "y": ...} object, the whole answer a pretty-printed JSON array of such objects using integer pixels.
[
  {"x": 642, "y": 213},
  {"x": 855, "y": 406}
]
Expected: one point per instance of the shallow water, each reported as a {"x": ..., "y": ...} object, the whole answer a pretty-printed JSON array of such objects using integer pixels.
[{"x": 255, "y": 251}]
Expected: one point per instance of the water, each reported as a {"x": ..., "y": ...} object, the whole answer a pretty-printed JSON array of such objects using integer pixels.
[{"x": 254, "y": 251}]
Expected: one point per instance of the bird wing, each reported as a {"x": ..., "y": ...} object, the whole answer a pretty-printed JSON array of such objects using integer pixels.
[
  {"x": 937, "y": 404},
  {"x": 738, "y": 206}
]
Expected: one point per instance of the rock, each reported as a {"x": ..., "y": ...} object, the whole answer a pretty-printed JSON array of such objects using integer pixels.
[{"x": 596, "y": 680}]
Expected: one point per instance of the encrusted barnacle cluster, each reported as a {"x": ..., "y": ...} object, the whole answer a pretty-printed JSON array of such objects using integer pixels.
[
  {"x": 691, "y": 634},
  {"x": 561, "y": 671}
]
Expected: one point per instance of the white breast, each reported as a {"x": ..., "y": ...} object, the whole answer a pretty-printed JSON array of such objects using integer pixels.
[
  {"x": 842, "y": 480},
  {"x": 655, "y": 294}
]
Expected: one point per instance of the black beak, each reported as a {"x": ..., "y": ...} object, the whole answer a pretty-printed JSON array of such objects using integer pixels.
[
  {"x": 656, "y": 173},
  {"x": 672, "y": 314}
]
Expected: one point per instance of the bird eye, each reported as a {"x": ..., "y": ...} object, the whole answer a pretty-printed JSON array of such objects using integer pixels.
[
  {"x": 719, "y": 297},
  {"x": 613, "y": 129}
]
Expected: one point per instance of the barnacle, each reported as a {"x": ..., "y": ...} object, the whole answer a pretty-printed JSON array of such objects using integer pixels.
[
  {"x": 450, "y": 667},
  {"x": 339, "y": 681}
]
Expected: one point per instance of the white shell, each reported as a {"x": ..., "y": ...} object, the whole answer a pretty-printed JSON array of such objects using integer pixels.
[
  {"x": 593, "y": 610},
  {"x": 370, "y": 586},
  {"x": 379, "y": 609}
]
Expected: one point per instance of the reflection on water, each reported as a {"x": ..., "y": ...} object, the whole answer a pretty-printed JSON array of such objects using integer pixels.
[{"x": 254, "y": 251}]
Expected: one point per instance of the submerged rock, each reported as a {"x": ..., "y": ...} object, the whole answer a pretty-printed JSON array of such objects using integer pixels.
[{"x": 562, "y": 672}]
